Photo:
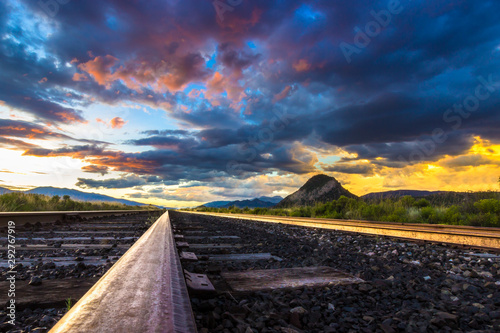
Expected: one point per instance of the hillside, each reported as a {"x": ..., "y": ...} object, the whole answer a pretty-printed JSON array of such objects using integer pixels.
[
  {"x": 4, "y": 190},
  {"x": 318, "y": 189},
  {"x": 250, "y": 203},
  {"x": 399, "y": 193},
  {"x": 216, "y": 204},
  {"x": 274, "y": 199},
  {"x": 80, "y": 196},
  {"x": 254, "y": 203}
]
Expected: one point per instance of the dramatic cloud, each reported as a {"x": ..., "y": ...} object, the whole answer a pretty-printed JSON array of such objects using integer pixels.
[
  {"x": 96, "y": 169},
  {"x": 261, "y": 88}
]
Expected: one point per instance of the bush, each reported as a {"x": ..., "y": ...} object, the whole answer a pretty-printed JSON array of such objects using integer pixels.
[
  {"x": 407, "y": 201},
  {"x": 488, "y": 206},
  {"x": 19, "y": 202},
  {"x": 483, "y": 220},
  {"x": 422, "y": 203},
  {"x": 481, "y": 209}
]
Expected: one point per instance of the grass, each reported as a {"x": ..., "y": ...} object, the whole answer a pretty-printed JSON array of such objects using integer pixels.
[
  {"x": 25, "y": 202},
  {"x": 475, "y": 209},
  {"x": 69, "y": 304}
]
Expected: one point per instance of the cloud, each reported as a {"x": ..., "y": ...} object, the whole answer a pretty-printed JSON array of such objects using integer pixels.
[
  {"x": 469, "y": 161},
  {"x": 103, "y": 170},
  {"x": 100, "y": 69},
  {"x": 117, "y": 122},
  {"x": 361, "y": 169},
  {"x": 123, "y": 182},
  {"x": 302, "y": 65},
  {"x": 283, "y": 94}
]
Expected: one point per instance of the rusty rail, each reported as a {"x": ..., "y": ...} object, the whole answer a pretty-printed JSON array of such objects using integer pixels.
[
  {"x": 144, "y": 291},
  {"x": 458, "y": 235},
  {"x": 50, "y": 216}
]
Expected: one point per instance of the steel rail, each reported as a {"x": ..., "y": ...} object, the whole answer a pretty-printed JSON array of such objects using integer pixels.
[
  {"x": 21, "y": 218},
  {"x": 144, "y": 291},
  {"x": 458, "y": 235}
]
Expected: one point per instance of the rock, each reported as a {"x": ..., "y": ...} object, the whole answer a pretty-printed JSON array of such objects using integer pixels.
[
  {"x": 494, "y": 315},
  {"x": 46, "y": 320},
  {"x": 35, "y": 281},
  {"x": 295, "y": 320},
  {"x": 39, "y": 330},
  {"x": 387, "y": 327},
  {"x": 443, "y": 318},
  {"x": 478, "y": 305},
  {"x": 284, "y": 330},
  {"x": 298, "y": 310},
  {"x": 485, "y": 274},
  {"x": 364, "y": 287}
]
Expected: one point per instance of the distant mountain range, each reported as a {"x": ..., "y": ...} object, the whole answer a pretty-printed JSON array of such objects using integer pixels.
[
  {"x": 74, "y": 194},
  {"x": 318, "y": 189},
  {"x": 4, "y": 190},
  {"x": 259, "y": 202},
  {"x": 321, "y": 189}
]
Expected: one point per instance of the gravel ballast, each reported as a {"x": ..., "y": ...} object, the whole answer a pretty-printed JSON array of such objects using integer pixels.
[{"x": 408, "y": 287}]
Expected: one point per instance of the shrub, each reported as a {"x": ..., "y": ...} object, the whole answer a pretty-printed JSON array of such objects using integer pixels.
[
  {"x": 407, "y": 201},
  {"x": 488, "y": 206},
  {"x": 422, "y": 203}
]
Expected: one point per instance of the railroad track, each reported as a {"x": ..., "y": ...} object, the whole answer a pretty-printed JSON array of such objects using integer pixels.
[
  {"x": 205, "y": 273},
  {"x": 21, "y": 218},
  {"x": 482, "y": 237}
]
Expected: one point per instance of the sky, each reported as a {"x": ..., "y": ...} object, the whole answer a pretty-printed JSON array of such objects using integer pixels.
[{"x": 181, "y": 102}]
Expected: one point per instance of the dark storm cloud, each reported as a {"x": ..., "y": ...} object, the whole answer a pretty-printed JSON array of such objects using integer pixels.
[
  {"x": 124, "y": 182},
  {"x": 103, "y": 170},
  {"x": 360, "y": 169}
]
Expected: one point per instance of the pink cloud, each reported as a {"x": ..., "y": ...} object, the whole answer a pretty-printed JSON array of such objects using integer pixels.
[
  {"x": 117, "y": 122},
  {"x": 283, "y": 94},
  {"x": 302, "y": 65},
  {"x": 100, "y": 69},
  {"x": 80, "y": 77}
]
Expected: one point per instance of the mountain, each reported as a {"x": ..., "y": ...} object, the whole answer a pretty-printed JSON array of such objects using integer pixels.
[
  {"x": 251, "y": 203},
  {"x": 318, "y": 189},
  {"x": 79, "y": 195},
  {"x": 399, "y": 193},
  {"x": 216, "y": 204},
  {"x": 4, "y": 190},
  {"x": 254, "y": 203},
  {"x": 274, "y": 199}
]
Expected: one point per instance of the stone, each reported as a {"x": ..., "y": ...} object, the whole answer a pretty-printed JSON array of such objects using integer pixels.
[{"x": 35, "y": 281}]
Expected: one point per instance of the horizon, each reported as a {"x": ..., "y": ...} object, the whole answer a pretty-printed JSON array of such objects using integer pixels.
[
  {"x": 231, "y": 199},
  {"x": 182, "y": 103}
]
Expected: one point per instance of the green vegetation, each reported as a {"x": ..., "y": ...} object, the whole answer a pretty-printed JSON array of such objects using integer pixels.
[
  {"x": 69, "y": 304},
  {"x": 25, "y": 202},
  {"x": 476, "y": 209}
]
